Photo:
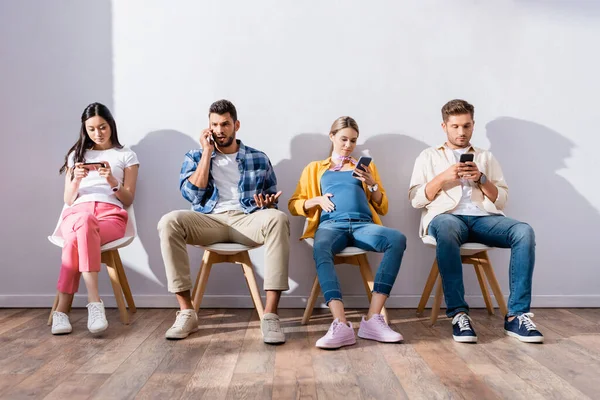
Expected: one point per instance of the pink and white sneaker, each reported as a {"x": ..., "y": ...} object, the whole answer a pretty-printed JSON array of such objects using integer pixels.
[
  {"x": 339, "y": 334},
  {"x": 377, "y": 329}
]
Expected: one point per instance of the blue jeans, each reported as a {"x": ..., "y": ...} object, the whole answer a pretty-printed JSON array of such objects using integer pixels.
[
  {"x": 333, "y": 236},
  {"x": 451, "y": 231}
]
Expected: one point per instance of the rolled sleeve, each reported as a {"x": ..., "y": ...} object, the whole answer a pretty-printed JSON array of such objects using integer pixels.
[{"x": 189, "y": 191}]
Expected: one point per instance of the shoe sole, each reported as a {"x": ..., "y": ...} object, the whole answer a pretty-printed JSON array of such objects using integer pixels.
[
  {"x": 337, "y": 346},
  {"x": 367, "y": 337},
  {"x": 97, "y": 331},
  {"x": 465, "y": 339},
  {"x": 525, "y": 339},
  {"x": 62, "y": 332},
  {"x": 183, "y": 335}
]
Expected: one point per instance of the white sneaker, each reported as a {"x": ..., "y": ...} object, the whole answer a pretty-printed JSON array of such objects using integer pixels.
[
  {"x": 96, "y": 317},
  {"x": 185, "y": 323},
  {"x": 60, "y": 323},
  {"x": 339, "y": 334},
  {"x": 271, "y": 329}
]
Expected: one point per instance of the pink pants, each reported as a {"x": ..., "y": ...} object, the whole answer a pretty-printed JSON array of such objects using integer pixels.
[{"x": 85, "y": 227}]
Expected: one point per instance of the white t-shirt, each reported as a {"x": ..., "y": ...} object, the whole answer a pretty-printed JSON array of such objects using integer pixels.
[
  {"x": 226, "y": 175},
  {"x": 465, "y": 206},
  {"x": 94, "y": 187}
]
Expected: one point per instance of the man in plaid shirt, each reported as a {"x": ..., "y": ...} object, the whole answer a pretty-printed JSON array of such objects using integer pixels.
[{"x": 233, "y": 191}]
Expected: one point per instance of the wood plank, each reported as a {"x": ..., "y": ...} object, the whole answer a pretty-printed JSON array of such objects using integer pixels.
[
  {"x": 134, "y": 372},
  {"x": 591, "y": 314},
  {"x": 77, "y": 386},
  {"x": 176, "y": 368},
  {"x": 131, "y": 336},
  {"x": 406, "y": 363},
  {"x": 334, "y": 376},
  {"x": 294, "y": 376},
  {"x": 253, "y": 374},
  {"x": 7, "y": 381},
  {"x": 215, "y": 370},
  {"x": 565, "y": 323}
]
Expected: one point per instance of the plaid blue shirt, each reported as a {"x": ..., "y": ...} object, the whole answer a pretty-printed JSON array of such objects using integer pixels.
[{"x": 257, "y": 176}]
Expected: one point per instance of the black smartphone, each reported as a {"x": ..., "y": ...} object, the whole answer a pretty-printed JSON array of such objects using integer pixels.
[
  {"x": 363, "y": 160},
  {"x": 466, "y": 157},
  {"x": 94, "y": 165},
  {"x": 211, "y": 138}
]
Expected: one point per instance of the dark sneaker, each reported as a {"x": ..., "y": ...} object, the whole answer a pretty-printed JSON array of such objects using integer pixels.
[
  {"x": 523, "y": 328},
  {"x": 462, "y": 331}
]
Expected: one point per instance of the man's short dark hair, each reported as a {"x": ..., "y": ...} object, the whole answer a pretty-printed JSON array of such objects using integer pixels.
[
  {"x": 457, "y": 107},
  {"x": 223, "y": 107}
]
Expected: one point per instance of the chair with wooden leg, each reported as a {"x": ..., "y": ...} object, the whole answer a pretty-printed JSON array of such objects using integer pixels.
[
  {"x": 475, "y": 254},
  {"x": 112, "y": 260},
  {"x": 229, "y": 253},
  {"x": 352, "y": 256}
]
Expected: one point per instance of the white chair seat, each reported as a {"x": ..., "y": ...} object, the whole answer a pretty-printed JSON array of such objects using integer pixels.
[
  {"x": 347, "y": 252},
  {"x": 227, "y": 248},
  {"x": 466, "y": 249}
]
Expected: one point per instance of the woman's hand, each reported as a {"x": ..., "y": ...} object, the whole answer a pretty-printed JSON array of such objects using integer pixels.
[
  {"x": 322, "y": 201},
  {"x": 364, "y": 175},
  {"x": 79, "y": 172},
  {"x": 106, "y": 173}
]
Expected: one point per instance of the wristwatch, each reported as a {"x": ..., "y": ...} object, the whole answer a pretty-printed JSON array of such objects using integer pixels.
[
  {"x": 116, "y": 188},
  {"x": 373, "y": 188},
  {"x": 482, "y": 179}
]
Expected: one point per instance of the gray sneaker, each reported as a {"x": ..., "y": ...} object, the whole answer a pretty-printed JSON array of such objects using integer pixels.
[
  {"x": 271, "y": 329},
  {"x": 186, "y": 322}
]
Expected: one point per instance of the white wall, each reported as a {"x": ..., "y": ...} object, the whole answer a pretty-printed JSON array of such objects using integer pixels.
[{"x": 291, "y": 68}]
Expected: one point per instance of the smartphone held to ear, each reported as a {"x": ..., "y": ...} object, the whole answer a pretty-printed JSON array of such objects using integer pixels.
[
  {"x": 467, "y": 157},
  {"x": 362, "y": 161}
]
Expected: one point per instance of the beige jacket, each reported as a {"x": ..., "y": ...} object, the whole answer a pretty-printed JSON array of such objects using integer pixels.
[{"x": 432, "y": 162}]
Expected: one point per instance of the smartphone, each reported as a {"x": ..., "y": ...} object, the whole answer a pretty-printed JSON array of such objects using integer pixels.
[
  {"x": 466, "y": 157},
  {"x": 363, "y": 160},
  {"x": 93, "y": 165},
  {"x": 211, "y": 138}
]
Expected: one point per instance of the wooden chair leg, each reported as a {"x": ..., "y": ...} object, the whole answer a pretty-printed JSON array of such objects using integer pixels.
[
  {"x": 205, "y": 268},
  {"x": 368, "y": 281},
  {"x": 53, "y": 309},
  {"x": 433, "y": 274},
  {"x": 484, "y": 288},
  {"x": 204, "y": 258},
  {"x": 489, "y": 271},
  {"x": 437, "y": 300},
  {"x": 108, "y": 259},
  {"x": 310, "y": 303},
  {"x": 248, "y": 271},
  {"x": 124, "y": 282}
]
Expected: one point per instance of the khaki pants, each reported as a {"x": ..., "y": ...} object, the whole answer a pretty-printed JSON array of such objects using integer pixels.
[{"x": 268, "y": 227}]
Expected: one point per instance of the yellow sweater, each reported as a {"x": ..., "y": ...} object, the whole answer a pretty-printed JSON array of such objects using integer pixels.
[{"x": 309, "y": 186}]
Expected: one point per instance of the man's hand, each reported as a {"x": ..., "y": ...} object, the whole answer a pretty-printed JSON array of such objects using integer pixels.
[
  {"x": 206, "y": 140},
  {"x": 267, "y": 200},
  {"x": 468, "y": 171}
]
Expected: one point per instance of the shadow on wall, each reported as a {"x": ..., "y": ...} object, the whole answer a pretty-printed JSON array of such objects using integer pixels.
[
  {"x": 565, "y": 222},
  {"x": 48, "y": 77},
  {"x": 304, "y": 148},
  {"x": 395, "y": 155},
  {"x": 161, "y": 154}
]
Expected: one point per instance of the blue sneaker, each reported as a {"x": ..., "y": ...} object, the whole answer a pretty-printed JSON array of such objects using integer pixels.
[
  {"x": 462, "y": 331},
  {"x": 523, "y": 328}
]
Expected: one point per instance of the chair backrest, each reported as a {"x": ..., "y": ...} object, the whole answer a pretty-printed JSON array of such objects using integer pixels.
[{"x": 130, "y": 231}]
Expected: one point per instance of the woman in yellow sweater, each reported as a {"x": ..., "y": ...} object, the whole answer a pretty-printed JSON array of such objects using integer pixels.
[{"x": 342, "y": 210}]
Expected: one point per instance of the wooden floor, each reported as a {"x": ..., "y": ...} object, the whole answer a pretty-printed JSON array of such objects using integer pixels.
[{"x": 227, "y": 359}]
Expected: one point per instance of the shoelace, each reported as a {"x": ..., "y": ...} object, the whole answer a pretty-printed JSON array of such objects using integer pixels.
[
  {"x": 381, "y": 321},
  {"x": 335, "y": 326},
  {"x": 525, "y": 319},
  {"x": 95, "y": 312},
  {"x": 181, "y": 319},
  {"x": 464, "y": 322},
  {"x": 273, "y": 326},
  {"x": 60, "y": 319}
]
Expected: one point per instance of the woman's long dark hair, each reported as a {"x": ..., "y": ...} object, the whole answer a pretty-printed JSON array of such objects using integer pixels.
[{"x": 85, "y": 143}]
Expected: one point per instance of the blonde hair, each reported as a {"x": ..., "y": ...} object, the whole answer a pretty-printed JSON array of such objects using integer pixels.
[{"x": 342, "y": 123}]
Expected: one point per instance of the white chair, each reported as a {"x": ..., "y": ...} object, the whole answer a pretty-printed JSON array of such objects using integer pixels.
[
  {"x": 110, "y": 257},
  {"x": 471, "y": 253},
  {"x": 231, "y": 253},
  {"x": 349, "y": 255}
]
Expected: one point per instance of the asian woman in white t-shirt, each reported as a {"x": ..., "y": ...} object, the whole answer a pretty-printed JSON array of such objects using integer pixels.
[{"x": 100, "y": 182}]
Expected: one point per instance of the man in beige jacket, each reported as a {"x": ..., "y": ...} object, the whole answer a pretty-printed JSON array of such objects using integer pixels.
[{"x": 462, "y": 192}]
